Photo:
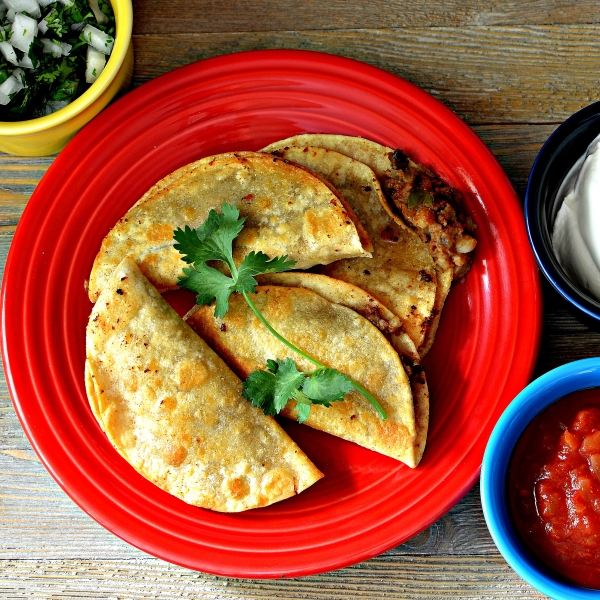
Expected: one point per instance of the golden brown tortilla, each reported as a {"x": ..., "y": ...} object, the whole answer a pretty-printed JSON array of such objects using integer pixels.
[
  {"x": 337, "y": 337},
  {"x": 415, "y": 196},
  {"x": 174, "y": 410},
  {"x": 401, "y": 272},
  {"x": 387, "y": 322},
  {"x": 290, "y": 212}
]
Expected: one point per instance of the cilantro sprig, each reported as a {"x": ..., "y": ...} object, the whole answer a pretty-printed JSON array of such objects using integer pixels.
[
  {"x": 271, "y": 389},
  {"x": 268, "y": 389}
]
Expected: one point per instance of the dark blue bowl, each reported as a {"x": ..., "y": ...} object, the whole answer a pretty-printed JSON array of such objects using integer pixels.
[
  {"x": 561, "y": 151},
  {"x": 559, "y": 382}
]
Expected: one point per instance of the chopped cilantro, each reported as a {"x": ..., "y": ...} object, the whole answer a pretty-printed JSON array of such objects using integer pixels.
[
  {"x": 272, "y": 388},
  {"x": 51, "y": 79}
]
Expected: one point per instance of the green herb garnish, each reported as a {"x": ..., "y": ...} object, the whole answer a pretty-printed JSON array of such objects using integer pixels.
[
  {"x": 50, "y": 56},
  {"x": 268, "y": 389}
]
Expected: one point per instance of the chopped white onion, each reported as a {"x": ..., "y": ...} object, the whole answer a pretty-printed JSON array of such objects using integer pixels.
[
  {"x": 100, "y": 16},
  {"x": 55, "y": 47},
  {"x": 54, "y": 105},
  {"x": 95, "y": 63},
  {"x": 66, "y": 2},
  {"x": 11, "y": 86},
  {"x": 43, "y": 26},
  {"x": 10, "y": 14},
  {"x": 9, "y": 53},
  {"x": 98, "y": 39},
  {"x": 20, "y": 74},
  {"x": 31, "y": 7},
  {"x": 26, "y": 62},
  {"x": 78, "y": 26},
  {"x": 51, "y": 47},
  {"x": 24, "y": 29}
]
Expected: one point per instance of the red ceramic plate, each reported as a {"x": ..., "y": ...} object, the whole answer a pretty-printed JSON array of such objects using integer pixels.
[{"x": 367, "y": 503}]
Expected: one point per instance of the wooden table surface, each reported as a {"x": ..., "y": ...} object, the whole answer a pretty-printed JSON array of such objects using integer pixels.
[{"x": 513, "y": 70}]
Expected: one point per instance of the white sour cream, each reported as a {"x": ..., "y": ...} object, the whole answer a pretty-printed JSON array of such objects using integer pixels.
[{"x": 576, "y": 235}]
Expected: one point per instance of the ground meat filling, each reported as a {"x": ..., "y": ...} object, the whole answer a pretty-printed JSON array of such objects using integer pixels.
[
  {"x": 433, "y": 209},
  {"x": 373, "y": 314}
]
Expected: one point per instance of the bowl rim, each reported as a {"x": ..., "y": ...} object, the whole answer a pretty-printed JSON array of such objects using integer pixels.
[
  {"x": 123, "y": 10},
  {"x": 539, "y": 394},
  {"x": 545, "y": 258}
]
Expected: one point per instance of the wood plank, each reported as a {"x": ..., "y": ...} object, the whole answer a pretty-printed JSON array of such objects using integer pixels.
[
  {"x": 212, "y": 16},
  {"x": 567, "y": 334},
  {"x": 487, "y": 75},
  {"x": 408, "y": 578},
  {"x": 48, "y": 546}
]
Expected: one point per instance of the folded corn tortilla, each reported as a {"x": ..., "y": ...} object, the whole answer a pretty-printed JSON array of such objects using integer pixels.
[
  {"x": 387, "y": 322},
  {"x": 337, "y": 337},
  {"x": 401, "y": 273},
  {"x": 174, "y": 410},
  {"x": 415, "y": 196},
  {"x": 289, "y": 212}
]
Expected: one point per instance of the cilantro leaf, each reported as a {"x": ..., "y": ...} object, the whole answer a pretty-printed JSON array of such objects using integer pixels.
[
  {"x": 287, "y": 381},
  {"x": 303, "y": 404},
  {"x": 270, "y": 390},
  {"x": 213, "y": 240},
  {"x": 259, "y": 387},
  {"x": 327, "y": 386},
  {"x": 257, "y": 263},
  {"x": 210, "y": 285}
]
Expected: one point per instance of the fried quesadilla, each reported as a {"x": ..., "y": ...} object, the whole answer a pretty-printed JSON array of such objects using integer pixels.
[
  {"x": 416, "y": 197},
  {"x": 389, "y": 324},
  {"x": 289, "y": 212},
  {"x": 337, "y": 337},
  {"x": 174, "y": 410},
  {"x": 401, "y": 273}
]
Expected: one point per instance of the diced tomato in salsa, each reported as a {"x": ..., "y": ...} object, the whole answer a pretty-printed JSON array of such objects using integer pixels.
[{"x": 554, "y": 487}]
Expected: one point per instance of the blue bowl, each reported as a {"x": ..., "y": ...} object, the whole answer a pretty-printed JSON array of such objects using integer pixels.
[
  {"x": 561, "y": 151},
  {"x": 578, "y": 375}
]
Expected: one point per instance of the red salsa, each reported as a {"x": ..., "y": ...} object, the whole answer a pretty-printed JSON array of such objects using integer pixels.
[{"x": 554, "y": 487}]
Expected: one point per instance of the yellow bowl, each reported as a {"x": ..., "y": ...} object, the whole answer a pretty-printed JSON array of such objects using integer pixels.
[{"x": 50, "y": 134}]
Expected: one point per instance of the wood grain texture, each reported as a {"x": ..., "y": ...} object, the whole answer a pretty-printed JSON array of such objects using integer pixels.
[
  {"x": 406, "y": 579},
  {"x": 513, "y": 70},
  {"x": 524, "y": 74},
  {"x": 212, "y": 16},
  {"x": 49, "y": 548}
]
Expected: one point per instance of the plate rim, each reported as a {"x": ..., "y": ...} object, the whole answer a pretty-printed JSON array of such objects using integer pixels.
[{"x": 215, "y": 62}]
